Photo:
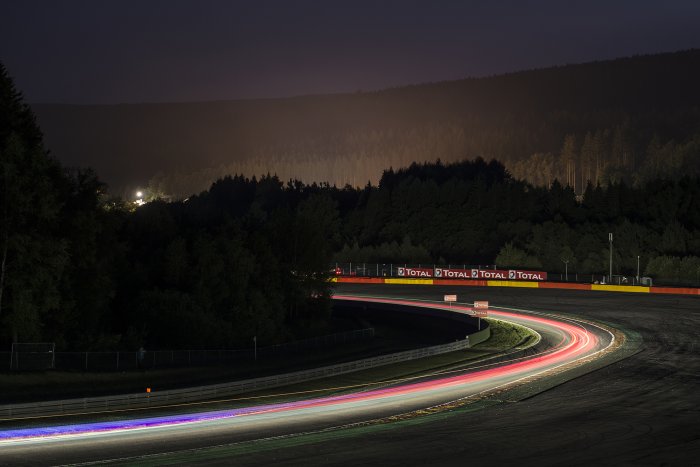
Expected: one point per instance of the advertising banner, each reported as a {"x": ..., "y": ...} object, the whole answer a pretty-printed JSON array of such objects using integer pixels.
[
  {"x": 494, "y": 274},
  {"x": 445, "y": 273},
  {"x": 481, "y": 309},
  {"x": 515, "y": 274},
  {"x": 415, "y": 272},
  {"x": 480, "y": 313}
]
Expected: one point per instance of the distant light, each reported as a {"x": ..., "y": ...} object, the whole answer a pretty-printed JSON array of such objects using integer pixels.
[{"x": 139, "y": 199}]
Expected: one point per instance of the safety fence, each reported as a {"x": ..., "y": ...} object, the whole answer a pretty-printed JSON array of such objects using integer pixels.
[
  {"x": 149, "y": 359},
  {"x": 161, "y": 398},
  {"x": 483, "y": 272},
  {"x": 407, "y": 269},
  {"x": 520, "y": 284}
]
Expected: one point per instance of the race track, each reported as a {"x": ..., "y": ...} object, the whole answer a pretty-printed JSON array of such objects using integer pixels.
[{"x": 642, "y": 409}]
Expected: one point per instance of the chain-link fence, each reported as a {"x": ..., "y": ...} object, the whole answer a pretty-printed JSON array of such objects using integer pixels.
[
  {"x": 617, "y": 279},
  {"x": 39, "y": 355},
  {"x": 148, "y": 359}
]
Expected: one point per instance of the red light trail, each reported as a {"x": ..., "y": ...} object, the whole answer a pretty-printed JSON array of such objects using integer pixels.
[{"x": 570, "y": 342}]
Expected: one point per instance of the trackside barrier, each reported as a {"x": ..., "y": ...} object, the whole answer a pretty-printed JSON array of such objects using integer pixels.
[
  {"x": 159, "y": 398},
  {"x": 119, "y": 361},
  {"x": 527, "y": 284}
]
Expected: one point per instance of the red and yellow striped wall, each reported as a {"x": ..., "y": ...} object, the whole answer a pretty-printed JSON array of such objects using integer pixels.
[{"x": 527, "y": 284}]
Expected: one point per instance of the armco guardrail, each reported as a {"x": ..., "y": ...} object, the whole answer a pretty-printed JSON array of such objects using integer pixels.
[
  {"x": 520, "y": 284},
  {"x": 159, "y": 398}
]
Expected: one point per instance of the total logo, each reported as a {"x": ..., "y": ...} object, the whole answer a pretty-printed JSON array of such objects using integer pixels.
[
  {"x": 528, "y": 275},
  {"x": 489, "y": 274},
  {"x": 452, "y": 273},
  {"x": 481, "y": 274},
  {"x": 414, "y": 272}
]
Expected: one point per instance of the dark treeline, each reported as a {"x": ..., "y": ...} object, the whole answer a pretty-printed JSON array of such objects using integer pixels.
[
  {"x": 246, "y": 258},
  {"x": 250, "y": 256},
  {"x": 631, "y": 119},
  {"x": 477, "y": 213}
]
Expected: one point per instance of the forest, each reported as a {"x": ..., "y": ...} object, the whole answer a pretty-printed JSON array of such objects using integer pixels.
[
  {"x": 251, "y": 256},
  {"x": 476, "y": 212},
  {"x": 89, "y": 272},
  {"x": 630, "y": 119}
]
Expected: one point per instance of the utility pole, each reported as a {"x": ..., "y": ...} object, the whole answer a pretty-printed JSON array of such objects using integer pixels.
[
  {"x": 610, "y": 238},
  {"x": 637, "y": 269}
]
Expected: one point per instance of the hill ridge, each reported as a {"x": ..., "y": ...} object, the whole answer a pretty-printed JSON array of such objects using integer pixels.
[{"x": 522, "y": 118}]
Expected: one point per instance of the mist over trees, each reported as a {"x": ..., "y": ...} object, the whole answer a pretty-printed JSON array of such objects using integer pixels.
[{"x": 630, "y": 119}]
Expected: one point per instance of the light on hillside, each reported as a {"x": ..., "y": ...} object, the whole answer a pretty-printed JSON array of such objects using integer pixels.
[{"x": 139, "y": 198}]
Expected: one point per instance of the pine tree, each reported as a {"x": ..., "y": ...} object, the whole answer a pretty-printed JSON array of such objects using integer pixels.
[
  {"x": 32, "y": 255},
  {"x": 569, "y": 158}
]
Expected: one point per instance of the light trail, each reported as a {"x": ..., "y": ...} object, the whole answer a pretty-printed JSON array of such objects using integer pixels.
[{"x": 574, "y": 343}]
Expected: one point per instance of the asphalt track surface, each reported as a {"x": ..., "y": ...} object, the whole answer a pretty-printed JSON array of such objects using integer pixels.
[{"x": 642, "y": 410}]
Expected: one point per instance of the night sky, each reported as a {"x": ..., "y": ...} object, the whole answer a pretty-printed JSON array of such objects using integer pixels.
[{"x": 137, "y": 51}]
